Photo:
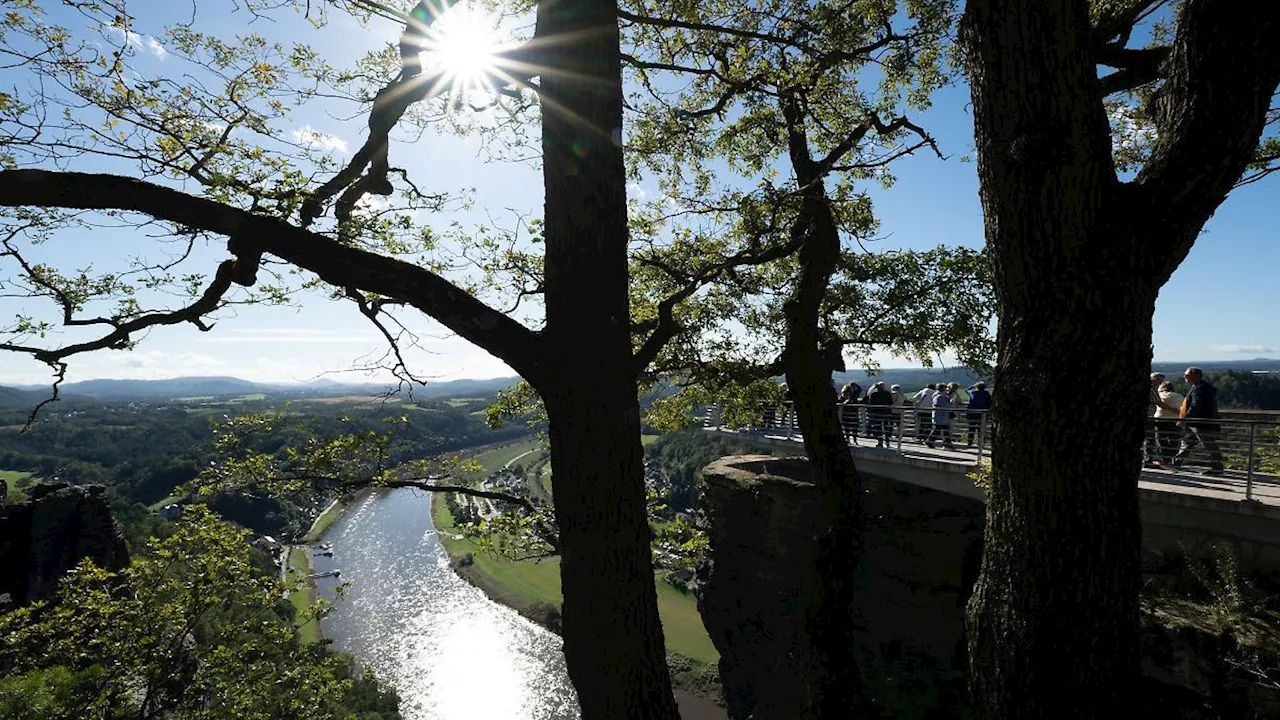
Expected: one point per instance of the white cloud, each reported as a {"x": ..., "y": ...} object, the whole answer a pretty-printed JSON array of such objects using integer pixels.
[
  {"x": 142, "y": 42},
  {"x": 306, "y": 135},
  {"x": 636, "y": 191},
  {"x": 372, "y": 203},
  {"x": 1237, "y": 349}
]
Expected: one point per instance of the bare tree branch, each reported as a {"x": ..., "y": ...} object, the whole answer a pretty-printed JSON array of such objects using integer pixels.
[
  {"x": 337, "y": 264},
  {"x": 1134, "y": 67}
]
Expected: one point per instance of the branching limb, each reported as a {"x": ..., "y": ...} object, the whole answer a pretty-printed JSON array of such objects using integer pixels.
[
  {"x": 337, "y": 264},
  {"x": 1209, "y": 118},
  {"x": 516, "y": 69},
  {"x": 121, "y": 335},
  {"x": 666, "y": 327},
  {"x": 372, "y": 310},
  {"x": 1134, "y": 67}
]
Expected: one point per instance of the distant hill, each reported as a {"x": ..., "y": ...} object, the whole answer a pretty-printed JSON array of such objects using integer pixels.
[
  {"x": 171, "y": 387},
  {"x": 10, "y": 396},
  {"x": 1254, "y": 365},
  {"x": 110, "y": 389},
  {"x": 910, "y": 379}
]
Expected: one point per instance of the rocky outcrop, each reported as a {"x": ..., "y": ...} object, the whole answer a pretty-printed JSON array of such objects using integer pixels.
[
  {"x": 759, "y": 513},
  {"x": 921, "y": 560},
  {"x": 59, "y": 526},
  {"x": 922, "y": 553}
]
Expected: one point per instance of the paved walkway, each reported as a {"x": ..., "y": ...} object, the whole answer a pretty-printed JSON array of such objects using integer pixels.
[{"x": 1266, "y": 487}]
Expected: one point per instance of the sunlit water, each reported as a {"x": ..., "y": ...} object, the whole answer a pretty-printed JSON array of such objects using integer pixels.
[{"x": 449, "y": 651}]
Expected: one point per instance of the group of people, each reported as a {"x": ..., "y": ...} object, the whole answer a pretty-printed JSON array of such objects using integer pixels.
[
  {"x": 934, "y": 408},
  {"x": 1175, "y": 433}
]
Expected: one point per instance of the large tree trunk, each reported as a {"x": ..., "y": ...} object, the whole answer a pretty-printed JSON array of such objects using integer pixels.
[
  {"x": 612, "y": 634},
  {"x": 835, "y": 684},
  {"x": 1053, "y": 622}
]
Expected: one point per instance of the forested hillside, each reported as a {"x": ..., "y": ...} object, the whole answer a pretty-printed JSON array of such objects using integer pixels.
[{"x": 144, "y": 450}]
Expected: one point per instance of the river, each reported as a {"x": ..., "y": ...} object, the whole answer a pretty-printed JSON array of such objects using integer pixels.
[{"x": 449, "y": 651}]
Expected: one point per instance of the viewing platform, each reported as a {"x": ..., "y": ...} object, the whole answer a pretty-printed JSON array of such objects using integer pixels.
[{"x": 1242, "y": 505}]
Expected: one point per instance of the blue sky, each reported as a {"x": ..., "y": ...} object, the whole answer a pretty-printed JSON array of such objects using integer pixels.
[{"x": 1215, "y": 307}]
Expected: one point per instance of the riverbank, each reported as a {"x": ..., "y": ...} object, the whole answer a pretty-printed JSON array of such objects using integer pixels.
[
  {"x": 299, "y": 569},
  {"x": 298, "y": 572},
  {"x": 533, "y": 590},
  {"x": 325, "y": 520}
]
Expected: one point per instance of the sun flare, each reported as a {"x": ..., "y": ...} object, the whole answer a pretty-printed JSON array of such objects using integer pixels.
[{"x": 463, "y": 44}]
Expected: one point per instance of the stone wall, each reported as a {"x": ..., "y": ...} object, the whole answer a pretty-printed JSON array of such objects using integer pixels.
[
  {"x": 922, "y": 555},
  {"x": 923, "y": 547},
  {"x": 59, "y": 526}
]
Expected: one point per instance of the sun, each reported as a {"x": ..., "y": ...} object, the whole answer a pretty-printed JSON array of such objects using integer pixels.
[{"x": 463, "y": 45}]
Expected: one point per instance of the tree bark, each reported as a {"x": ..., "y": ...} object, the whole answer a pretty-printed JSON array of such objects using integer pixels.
[
  {"x": 1078, "y": 259},
  {"x": 612, "y": 633},
  {"x": 834, "y": 683},
  {"x": 1054, "y": 617}
]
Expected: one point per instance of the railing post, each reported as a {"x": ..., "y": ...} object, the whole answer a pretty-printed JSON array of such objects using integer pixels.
[
  {"x": 1248, "y": 485},
  {"x": 982, "y": 434},
  {"x": 902, "y": 425}
]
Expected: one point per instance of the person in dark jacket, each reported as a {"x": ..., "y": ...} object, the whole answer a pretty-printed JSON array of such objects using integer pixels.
[
  {"x": 976, "y": 415},
  {"x": 1200, "y": 404},
  {"x": 879, "y": 411},
  {"x": 847, "y": 405}
]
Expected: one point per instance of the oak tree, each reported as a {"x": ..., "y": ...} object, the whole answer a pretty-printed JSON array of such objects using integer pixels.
[
  {"x": 92, "y": 135},
  {"x": 1082, "y": 233}
]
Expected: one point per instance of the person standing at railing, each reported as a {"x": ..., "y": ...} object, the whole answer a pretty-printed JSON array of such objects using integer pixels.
[
  {"x": 979, "y": 404},
  {"x": 879, "y": 410},
  {"x": 941, "y": 419},
  {"x": 1166, "y": 424},
  {"x": 847, "y": 406},
  {"x": 1201, "y": 403},
  {"x": 1151, "y": 450},
  {"x": 900, "y": 403},
  {"x": 923, "y": 402}
]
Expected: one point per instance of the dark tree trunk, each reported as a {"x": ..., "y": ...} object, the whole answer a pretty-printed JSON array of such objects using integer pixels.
[
  {"x": 1054, "y": 617},
  {"x": 1078, "y": 258},
  {"x": 835, "y": 684},
  {"x": 612, "y": 634}
]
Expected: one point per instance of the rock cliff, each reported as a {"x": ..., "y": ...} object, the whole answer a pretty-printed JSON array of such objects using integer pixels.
[{"x": 59, "y": 526}]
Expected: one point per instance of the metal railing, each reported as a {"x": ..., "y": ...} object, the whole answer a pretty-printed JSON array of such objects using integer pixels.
[{"x": 1244, "y": 446}]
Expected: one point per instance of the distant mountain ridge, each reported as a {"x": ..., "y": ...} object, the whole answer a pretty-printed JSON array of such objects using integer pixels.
[{"x": 120, "y": 389}]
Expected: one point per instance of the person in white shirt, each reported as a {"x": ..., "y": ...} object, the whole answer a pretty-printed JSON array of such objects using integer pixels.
[
  {"x": 923, "y": 401},
  {"x": 1167, "y": 433},
  {"x": 900, "y": 403}
]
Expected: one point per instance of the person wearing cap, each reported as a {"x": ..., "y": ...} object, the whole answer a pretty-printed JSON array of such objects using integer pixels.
[
  {"x": 879, "y": 410},
  {"x": 1167, "y": 430},
  {"x": 847, "y": 407},
  {"x": 1151, "y": 450},
  {"x": 900, "y": 403},
  {"x": 979, "y": 406},
  {"x": 1200, "y": 404},
  {"x": 941, "y": 429},
  {"x": 923, "y": 401}
]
